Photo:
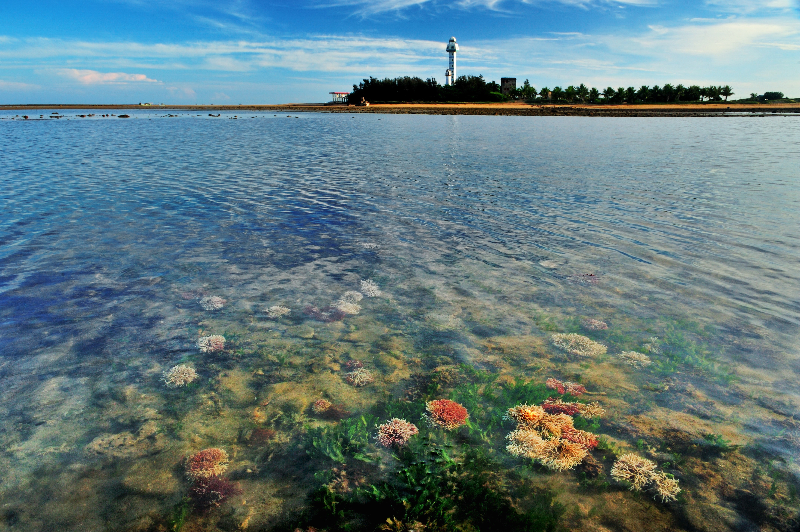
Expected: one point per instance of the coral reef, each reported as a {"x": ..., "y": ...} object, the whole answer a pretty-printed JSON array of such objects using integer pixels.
[
  {"x": 210, "y": 492},
  {"x": 587, "y": 440},
  {"x": 594, "y": 325},
  {"x": 211, "y": 344},
  {"x": 637, "y": 360},
  {"x": 578, "y": 345},
  {"x": 560, "y": 454},
  {"x": 326, "y": 314},
  {"x": 212, "y": 302},
  {"x": 369, "y": 288},
  {"x": 584, "y": 278},
  {"x": 179, "y": 375},
  {"x": 207, "y": 463},
  {"x": 359, "y": 377},
  {"x": 571, "y": 388},
  {"x": 588, "y": 411},
  {"x": 276, "y": 311},
  {"x": 396, "y": 432},
  {"x": 642, "y": 475},
  {"x": 445, "y": 413}
]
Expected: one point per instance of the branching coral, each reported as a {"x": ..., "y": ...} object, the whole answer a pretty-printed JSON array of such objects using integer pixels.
[
  {"x": 578, "y": 345},
  {"x": 321, "y": 406},
  {"x": 561, "y": 454},
  {"x": 207, "y": 463},
  {"x": 211, "y": 344},
  {"x": 212, "y": 303},
  {"x": 369, "y": 288},
  {"x": 396, "y": 432},
  {"x": 588, "y": 411},
  {"x": 642, "y": 475},
  {"x": 634, "y": 469},
  {"x": 446, "y": 414},
  {"x": 211, "y": 492},
  {"x": 276, "y": 311},
  {"x": 637, "y": 360},
  {"x": 571, "y": 388},
  {"x": 594, "y": 325},
  {"x": 359, "y": 377},
  {"x": 179, "y": 375}
]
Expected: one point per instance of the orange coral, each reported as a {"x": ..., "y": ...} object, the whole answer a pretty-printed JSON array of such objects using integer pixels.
[{"x": 446, "y": 413}]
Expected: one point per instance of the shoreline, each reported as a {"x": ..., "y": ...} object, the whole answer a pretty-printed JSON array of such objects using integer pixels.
[{"x": 489, "y": 109}]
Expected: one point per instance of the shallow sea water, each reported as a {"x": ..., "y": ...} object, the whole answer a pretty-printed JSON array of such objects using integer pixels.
[{"x": 485, "y": 235}]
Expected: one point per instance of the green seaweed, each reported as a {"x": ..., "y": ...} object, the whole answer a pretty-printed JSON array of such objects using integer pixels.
[{"x": 348, "y": 438}]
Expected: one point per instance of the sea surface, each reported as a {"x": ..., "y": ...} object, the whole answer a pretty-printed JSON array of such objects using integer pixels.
[{"x": 473, "y": 242}]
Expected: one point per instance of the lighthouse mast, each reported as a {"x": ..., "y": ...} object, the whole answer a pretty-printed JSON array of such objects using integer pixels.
[{"x": 450, "y": 75}]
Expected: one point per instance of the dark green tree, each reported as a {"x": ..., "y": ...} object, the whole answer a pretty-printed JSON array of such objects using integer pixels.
[
  {"x": 643, "y": 93},
  {"x": 557, "y": 94},
  {"x": 583, "y": 93},
  {"x": 630, "y": 95},
  {"x": 544, "y": 94},
  {"x": 608, "y": 94},
  {"x": 594, "y": 95},
  {"x": 726, "y": 91},
  {"x": 570, "y": 93}
]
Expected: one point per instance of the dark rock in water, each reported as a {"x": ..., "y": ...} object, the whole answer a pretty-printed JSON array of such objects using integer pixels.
[
  {"x": 123, "y": 116},
  {"x": 591, "y": 466}
]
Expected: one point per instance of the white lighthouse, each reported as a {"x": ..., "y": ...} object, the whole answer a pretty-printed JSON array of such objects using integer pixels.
[{"x": 450, "y": 74}]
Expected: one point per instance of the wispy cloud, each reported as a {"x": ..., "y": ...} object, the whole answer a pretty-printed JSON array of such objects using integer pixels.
[
  {"x": 17, "y": 86},
  {"x": 753, "y": 6},
  {"x": 93, "y": 77},
  {"x": 373, "y": 7}
]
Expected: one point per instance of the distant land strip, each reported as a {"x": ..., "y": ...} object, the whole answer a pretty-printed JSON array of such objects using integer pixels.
[{"x": 504, "y": 109}]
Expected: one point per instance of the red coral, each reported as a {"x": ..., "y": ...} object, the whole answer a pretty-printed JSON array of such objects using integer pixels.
[
  {"x": 582, "y": 438},
  {"x": 353, "y": 364},
  {"x": 571, "y": 388},
  {"x": 557, "y": 406},
  {"x": 557, "y": 385},
  {"x": 211, "y": 492},
  {"x": 207, "y": 463},
  {"x": 446, "y": 413}
]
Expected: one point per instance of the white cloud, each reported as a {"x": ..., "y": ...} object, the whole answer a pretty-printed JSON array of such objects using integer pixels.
[
  {"x": 372, "y": 7},
  {"x": 17, "y": 86},
  {"x": 93, "y": 77},
  {"x": 182, "y": 92},
  {"x": 753, "y": 6}
]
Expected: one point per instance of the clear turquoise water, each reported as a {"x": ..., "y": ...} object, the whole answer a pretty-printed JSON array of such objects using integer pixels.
[{"x": 479, "y": 231}]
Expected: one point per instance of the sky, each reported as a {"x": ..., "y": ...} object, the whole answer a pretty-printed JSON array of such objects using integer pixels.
[{"x": 268, "y": 51}]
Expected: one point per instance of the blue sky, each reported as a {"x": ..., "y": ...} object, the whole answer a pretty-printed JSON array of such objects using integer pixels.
[{"x": 266, "y": 51}]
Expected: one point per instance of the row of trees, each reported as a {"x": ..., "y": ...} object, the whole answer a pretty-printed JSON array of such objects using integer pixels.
[
  {"x": 644, "y": 94},
  {"x": 408, "y": 89}
]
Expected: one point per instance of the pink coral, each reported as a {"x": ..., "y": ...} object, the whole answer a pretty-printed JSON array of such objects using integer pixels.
[
  {"x": 211, "y": 492},
  {"x": 396, "y": 432},
  {"x": 571, "y": 388}
]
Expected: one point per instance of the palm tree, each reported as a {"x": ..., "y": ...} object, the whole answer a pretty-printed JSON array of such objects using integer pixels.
[
  {"x": 668, "y": 91},
  {"x": 570, "y": 93},
  {"x": 630, "y": 95},
  {"x": 594, "y": 94},
  {"x": 544, "y": 93},
  {"x": 753, "y": 96},
  {"x": 558, "y": 94},
  {"x": 583, "y": 92},
  {"x": 726, "y": 91},
  {"x": 643, "y": 93},
  {"x": 608, "y": 94},
  {"x": 679, "y": 92}
]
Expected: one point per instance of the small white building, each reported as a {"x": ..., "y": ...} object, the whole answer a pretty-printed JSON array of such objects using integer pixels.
[{"x": 339, "y": 97}]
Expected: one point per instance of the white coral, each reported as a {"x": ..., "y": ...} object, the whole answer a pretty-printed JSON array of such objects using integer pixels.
[
  {"x": 369, "y": 288},
  {"x": 276, "y": 311}
]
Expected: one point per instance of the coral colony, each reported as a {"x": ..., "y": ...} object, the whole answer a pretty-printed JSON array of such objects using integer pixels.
[
  {"x": 578, "y": 345},
  {"x": 349, "y": 302},
  {"x": 327, "y": 410},
  {"x": 212, "y": 303},
  {"x": 396, "y": 432},
  {"x": 276, "y": 311},
  {"x": 588, "y": 411},
  {"x": 359, "y": 377},
  {"x": 210, "y": 462},
  {"x": 637, "y": 360},
  {"x": 369, "y": 288},
  {"x": 642, "y": 475},
  {"x": 446, "y": 414},
  {"x": 321, "y": 406},
  {"x": 211, "y": 492},
  {"x": 549, "y": 438},
  {"x": 179, "y": 375},
  {"x": 211, "y": 344},
  {"x": 594, "y": 325},
  {"x": 566, "y": 387}
]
